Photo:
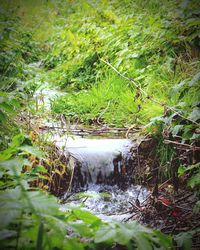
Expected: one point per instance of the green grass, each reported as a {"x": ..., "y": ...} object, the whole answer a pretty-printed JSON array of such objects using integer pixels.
[
  {"x": 110, "y": 101},
  {"x": 156, "y": 48}
]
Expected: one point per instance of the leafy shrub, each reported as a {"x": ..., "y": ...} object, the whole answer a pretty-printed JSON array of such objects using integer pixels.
[{"x": 17, "y": 50}]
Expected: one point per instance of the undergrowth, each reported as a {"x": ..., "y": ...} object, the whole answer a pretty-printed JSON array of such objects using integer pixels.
[{"x": 158, "y": 49}]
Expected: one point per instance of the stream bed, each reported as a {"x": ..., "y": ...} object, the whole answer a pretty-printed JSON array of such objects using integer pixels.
[
  {"x": 101, "y": 166},
  {"x": 102, "y": 181}
]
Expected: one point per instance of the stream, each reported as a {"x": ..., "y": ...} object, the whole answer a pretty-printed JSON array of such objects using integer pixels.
[
  {"x": 101, "y": 167},
  {"x": 102, "y": 181}
]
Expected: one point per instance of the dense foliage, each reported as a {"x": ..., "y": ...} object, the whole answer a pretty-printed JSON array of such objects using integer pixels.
[
  {"x": 157, "y": 49},
  {"x": 152, "y": 43}
]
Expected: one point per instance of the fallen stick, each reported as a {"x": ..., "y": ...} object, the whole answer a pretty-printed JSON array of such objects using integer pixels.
[
  {"x": 88, "y": 131},
  {"x": 183, "y": 145},
  {"x": 183, "y": 198}
]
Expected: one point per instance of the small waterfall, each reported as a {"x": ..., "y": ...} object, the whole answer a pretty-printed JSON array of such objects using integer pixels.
[
  {"x": 98, "y": 161},
  {"x": 102, "y": 176}
]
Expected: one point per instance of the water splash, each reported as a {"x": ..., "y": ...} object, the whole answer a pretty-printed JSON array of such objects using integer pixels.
[{"x": 108, "y": 202}]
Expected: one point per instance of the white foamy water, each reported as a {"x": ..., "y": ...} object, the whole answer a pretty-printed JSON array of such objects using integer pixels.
[
  {"x": 107, "y": 202},
  {"x": 96, "y": 156}
]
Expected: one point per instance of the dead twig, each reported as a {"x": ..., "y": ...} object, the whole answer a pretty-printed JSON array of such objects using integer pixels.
[
  {"x": 163, "y": 184},
  {"x": 184, "y": 198},
  {"x": 103, "y": 130},
  {"x": 182, "y": 145}
]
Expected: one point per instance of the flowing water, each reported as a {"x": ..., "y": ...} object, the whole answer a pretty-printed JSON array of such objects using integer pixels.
[
  {"x": 97, "y": 161},
  {"x": 108, "y": 202},
  {"x": 102, "y": 171},
  {"x": 102, "y": 168}
]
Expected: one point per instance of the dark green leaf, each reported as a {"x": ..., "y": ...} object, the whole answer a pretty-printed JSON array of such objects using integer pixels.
[
  {"x": 184, "y": 240},
  {"x": 175, "y": 130}
]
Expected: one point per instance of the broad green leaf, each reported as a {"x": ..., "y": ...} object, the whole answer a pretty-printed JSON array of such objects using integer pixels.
[
  {"x": 176, "y": 88},
  {"x": 38, "y": 169},
  {"x": 142, "y": 242},
  {"x": 6, "y": 107},
  {"x": 17, "y": 140},
  {"x": 124, "y": 234},
  {"x": 181, "y": 170},
  {"x": 75, "y": 244},
  {"x": 85, "y": 216},
  {"x": 7, "y": 154},
  {"x": 195, "y": 166},
  {"x": 32, "y": 150},
  {"x": 56, "y": 223},
  {"x": 30, "y": 234},
  {"x": 43, "y": 203},
  {"x": 15, "y": 103},
  {"x": 106, "y": 233},
  {"x": 195, "y": 137},
  {"x": 13, "y": 166},
  {"x": 156, "y": 120},
  {"x": 165, "y": 241},
  {"x": 10, "y": 206},
  {"x": 187, "y": 132},
  {"x": 81, "y": 228},
  {"x": 55, "y": 229},
  {"x": 9, "y": 215},
  {"x": 194, "y": 181}
]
